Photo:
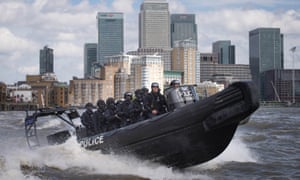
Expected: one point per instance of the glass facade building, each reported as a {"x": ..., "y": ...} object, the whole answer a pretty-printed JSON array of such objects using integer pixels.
[
  {"x": 46, "y": 60},
  {"x": 183, "y": 26},
  {"x": 110, "y": 35},
  {"x": 225, "y": 51},
  {"x": 154, "y": 24},
  {"x": 265, "y": 53},
  {"x": 90, "y": 57},
  {"x": 154, "y": 30}
]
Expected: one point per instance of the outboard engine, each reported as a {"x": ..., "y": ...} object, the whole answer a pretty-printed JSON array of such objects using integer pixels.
[{"x": 181, "y": 96}]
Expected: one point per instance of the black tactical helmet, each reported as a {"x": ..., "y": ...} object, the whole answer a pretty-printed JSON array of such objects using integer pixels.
[
  {"x": 127, "y": 94},
  {"x": 139, "y": 93},
  {"x": 101, "y": 103},
  {"x": 173, "y": 82},
  {"x": 110, "y": 101},
  {"x": 145, "y": 90},
  {"x": 88, "y": 105},
  {"x": 154, "y": 84}
]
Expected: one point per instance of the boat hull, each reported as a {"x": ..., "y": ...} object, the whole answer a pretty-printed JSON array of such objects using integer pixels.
[{"x": 188, "y": 136}]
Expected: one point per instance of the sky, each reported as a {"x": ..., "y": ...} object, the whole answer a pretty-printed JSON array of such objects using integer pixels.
[{"x": 26, "y": 26}]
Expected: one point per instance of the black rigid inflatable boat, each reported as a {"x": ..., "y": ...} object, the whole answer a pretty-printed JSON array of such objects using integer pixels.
[{"x": 193, "y": 133}]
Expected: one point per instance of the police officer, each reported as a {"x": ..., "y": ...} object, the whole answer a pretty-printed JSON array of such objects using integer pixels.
[
  {"x": 173, "y": 89},
  {"x": 155, "y": 102},
  {"x": 87, "y": 119},
  {"x": 145, "y": 91},
  {"x": 123, "y": 109},
  {"x": 113, "y": 121},
  {"x": 175, "y": 83},
  {"x": 99, "y": 119},
  {"x": 137, "y": 108}
]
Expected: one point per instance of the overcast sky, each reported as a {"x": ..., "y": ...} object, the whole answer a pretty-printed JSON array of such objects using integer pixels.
[{"x": 26, "y": 26}]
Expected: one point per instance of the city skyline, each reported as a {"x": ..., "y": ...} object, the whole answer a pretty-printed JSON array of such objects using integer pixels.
[{"x": 66, "y": 26}]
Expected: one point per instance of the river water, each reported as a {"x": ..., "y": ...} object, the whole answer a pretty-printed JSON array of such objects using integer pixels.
[{"x": 267, "y": 147}]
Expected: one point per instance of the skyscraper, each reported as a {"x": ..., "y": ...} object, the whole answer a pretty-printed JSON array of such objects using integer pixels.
[
  {"x": 225, "y": 51},
  {"x": 154, "y": 24},
  {"x": 184, "y": 56},
  {"x": 110, "y": 35},
  {"x": 183, "y": 27},
  {"x": 90, "y": 57},
  {"x": 46, "y": 60},
  {"x": 265, "y": 53},
  {"x": 145, "y": 70},
  {"x": 154, "y": 30}
]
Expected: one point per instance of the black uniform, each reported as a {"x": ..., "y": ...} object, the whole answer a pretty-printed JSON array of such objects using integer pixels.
[
  {"x": 124, "y": 113},
  {"x": 137, "y": 109},
  {"x": 99, "y": 119},
  {"x": 155, "y": 101},
  {"x": 87, "y": 119},
  {"x": 144, "y": 91},
  {"x": 123, "y": 109},
  {"x": 113, "y": 121}
]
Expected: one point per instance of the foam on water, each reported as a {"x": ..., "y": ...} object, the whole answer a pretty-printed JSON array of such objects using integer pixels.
[
  {"x": 237, "y": 151},
  {"x": 71, "y": 155}
]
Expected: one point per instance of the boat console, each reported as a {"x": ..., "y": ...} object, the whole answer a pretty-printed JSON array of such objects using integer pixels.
[{"x": 181, "y": 96}]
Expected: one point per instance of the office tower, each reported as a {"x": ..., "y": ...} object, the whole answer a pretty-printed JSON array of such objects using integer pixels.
[
  {"x": 184, "y": 56},
  {"x": 265, "y": 53},
  {"x": 183, "y": 26},
  {"x": 154, "y": 30},
  {"x": 145, "y": 70},
  {"x": 46, "y": 60},
  {"x": 121, "y": 61},
  {"x": 225, "y": 51},
  {"x": 90, "y": 57},
  {"x": 110, "y": 35},
  {"x": 154, "y": 24}
]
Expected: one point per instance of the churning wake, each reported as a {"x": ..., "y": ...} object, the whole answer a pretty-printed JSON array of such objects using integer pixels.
[{"x": 23, "y": 163}]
